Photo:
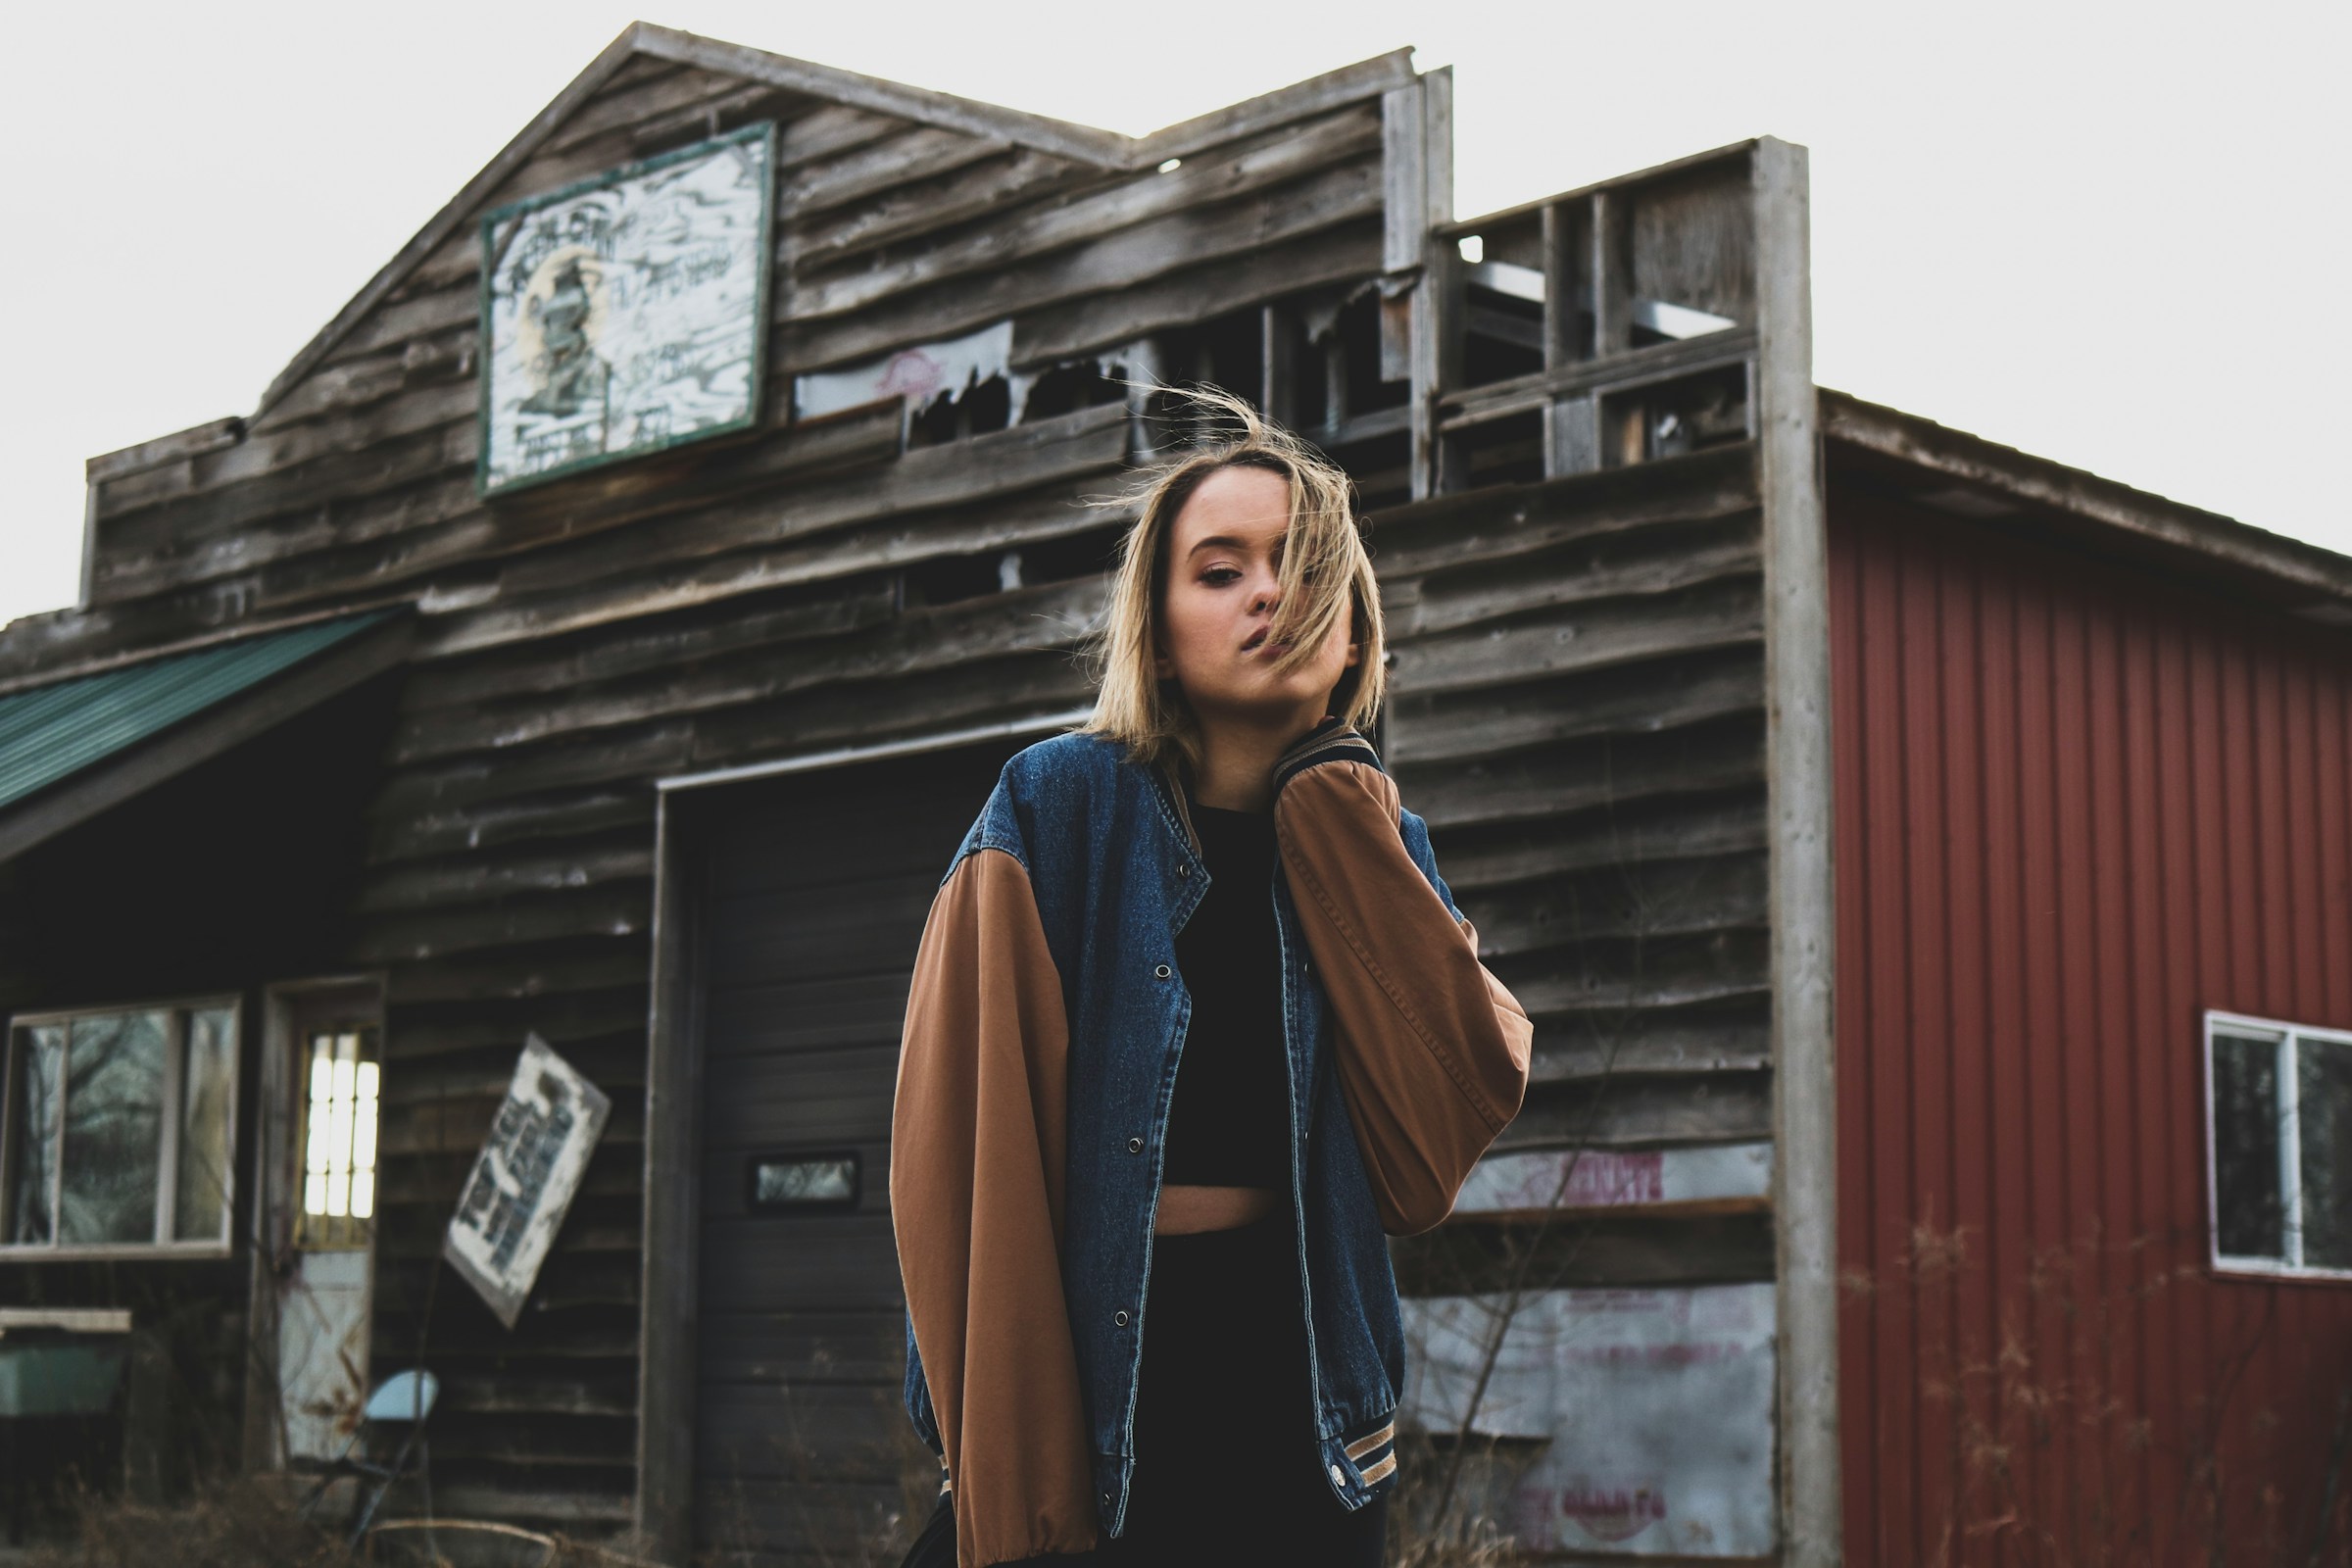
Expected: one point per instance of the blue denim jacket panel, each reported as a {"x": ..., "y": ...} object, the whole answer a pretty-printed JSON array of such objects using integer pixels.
[{"x": 1115, "y": 877}]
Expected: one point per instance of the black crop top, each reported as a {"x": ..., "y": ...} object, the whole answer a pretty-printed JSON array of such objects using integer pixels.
[{"x": 1229, "y": 1121}]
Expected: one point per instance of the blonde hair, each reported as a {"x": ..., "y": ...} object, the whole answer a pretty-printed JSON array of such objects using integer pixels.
[{"x": 1326, "y": 574}]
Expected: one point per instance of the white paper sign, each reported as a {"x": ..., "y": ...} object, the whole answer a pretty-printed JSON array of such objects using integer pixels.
[{"x": 521, "y": 1186}]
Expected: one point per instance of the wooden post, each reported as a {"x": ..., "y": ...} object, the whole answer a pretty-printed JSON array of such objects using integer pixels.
[
  {"x": 1612, "y": 289},
  {"x": 1802, "y": 892},
  {"x": 667, "y": 1348},
  {"x": 1278, "y": 366}
]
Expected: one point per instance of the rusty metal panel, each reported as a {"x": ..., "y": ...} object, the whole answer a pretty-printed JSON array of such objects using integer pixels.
[
  {"x": 1682, "y": 1464},
  {"x": 323, "y": 1350},
  {"x": 2077, "y": 806}
]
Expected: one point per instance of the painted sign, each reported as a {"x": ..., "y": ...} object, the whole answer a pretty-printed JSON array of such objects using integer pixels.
[
  {"x": 1651, "y": 1410},
  {"x": 521, "y": 1185},
  {"x": 627, "y": 313},
  {"x": 1609, "y": 1178}
]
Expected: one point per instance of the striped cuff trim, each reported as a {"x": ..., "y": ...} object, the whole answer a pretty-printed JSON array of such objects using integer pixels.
[
  {"x": 1381, "y": 1471},
  {"x": 1370, "y": 1440}
]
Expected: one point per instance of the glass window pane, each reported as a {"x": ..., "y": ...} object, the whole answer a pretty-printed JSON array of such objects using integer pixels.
[
  {"x": 32, "y": 1134},
  {"x": 114, "y": 1128},
  {"x": 206, "y": 1126},
  {"x": 2324, "y": 1110},
  {"x": 2245, "y": 1147}
]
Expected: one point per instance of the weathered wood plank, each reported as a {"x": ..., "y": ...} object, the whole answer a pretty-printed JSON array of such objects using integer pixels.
[
  {"x": 1120, "y": 260},
  {"x": 1586, "y": 774},
  {"x": 1634, "y": 834},
  {"x": 1644, "y": 562},
  {"x": 1643, "y": 1110},
  {"x": 1093, "y": 442},
  {"x": 1617, "y": 978},
  {"x": 832, "y": 130},
  {"x": 1296, "y": 153},
  {"x": 624, "y": 909},
  {"x": 423, "y": 832},
  {"x": 1574, "y": 638},
  {"x": 1050, "y": 616},
  {"x": 1008, "y": 179},
  {"x": 1662, "y": 1043},
  {"x": 322, "y": 555},
  {"x": 1656, "y": 897},
  {"x": 583, "y": 965},
  {"x": 1343, "y": 254},
  {"x": 1520, "y": 518},
  {"x": 537, "y": 672},
  {"x": 917, "y": 154},
  {"x": 1663, "y": 694},
  {"x": 981, "y": 468}
]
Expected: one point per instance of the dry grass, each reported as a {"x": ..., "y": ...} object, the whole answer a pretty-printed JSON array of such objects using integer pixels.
[{"x": 241, "y": 1523}]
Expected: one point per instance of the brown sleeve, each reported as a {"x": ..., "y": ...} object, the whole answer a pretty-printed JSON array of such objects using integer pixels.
[
  {"x": 977, "y": 1139},
  {"x": 1433, "y": 1051}
]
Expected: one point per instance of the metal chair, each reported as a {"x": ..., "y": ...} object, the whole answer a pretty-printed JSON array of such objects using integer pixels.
[{"x": 405, "y": 1399}]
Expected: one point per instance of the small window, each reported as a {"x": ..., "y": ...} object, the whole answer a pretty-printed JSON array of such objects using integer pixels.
[
  {"x": 118, "y": 1130},
  {"x": 340, "y": 1075},
  {"x": 2278, "y": 1119}
]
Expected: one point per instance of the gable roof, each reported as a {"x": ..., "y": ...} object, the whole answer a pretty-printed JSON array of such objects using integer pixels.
[
  {"x": 1108, "y": 150},
  {"x": 2307, "y": 579}
]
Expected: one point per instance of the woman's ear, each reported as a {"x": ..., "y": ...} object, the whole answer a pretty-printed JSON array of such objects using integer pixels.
[{"x": 1161, "y": 664}]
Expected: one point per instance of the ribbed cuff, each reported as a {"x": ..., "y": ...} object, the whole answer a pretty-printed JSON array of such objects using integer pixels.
[{"x": 1334, "y": 739}]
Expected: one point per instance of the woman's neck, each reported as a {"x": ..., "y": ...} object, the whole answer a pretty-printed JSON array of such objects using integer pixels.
[{"x": 1236, "y": 767}]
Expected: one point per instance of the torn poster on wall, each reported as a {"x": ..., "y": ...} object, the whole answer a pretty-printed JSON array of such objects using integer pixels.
[
  {"x": 918, "y": 374},
  {"x": 522, "y": 1183},
  {"x": 1648, "y": 1412}
]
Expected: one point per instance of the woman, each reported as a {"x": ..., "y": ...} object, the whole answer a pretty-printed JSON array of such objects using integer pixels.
[{"x": 1195, "y": 1025}]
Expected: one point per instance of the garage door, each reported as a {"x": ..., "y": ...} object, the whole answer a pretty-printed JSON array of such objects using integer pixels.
[{"x": 812, "y": 890}]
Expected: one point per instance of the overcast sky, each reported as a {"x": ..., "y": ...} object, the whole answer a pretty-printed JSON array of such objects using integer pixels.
[{"x": 2113, "y": 235}]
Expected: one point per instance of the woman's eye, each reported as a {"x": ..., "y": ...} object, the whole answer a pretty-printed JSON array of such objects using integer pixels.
[{"x": 1218, "y": 577}]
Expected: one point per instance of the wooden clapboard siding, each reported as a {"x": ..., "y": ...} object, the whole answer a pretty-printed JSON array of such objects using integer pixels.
[{"x": 1577, "y": 711}]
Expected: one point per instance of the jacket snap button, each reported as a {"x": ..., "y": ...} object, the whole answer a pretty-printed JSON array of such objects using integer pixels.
[
  {"x": 1120, "y": 1318},
  {"x": 1135, "y": 1146},
  {"x": 1107, "y": 1500},
  {"x": 1183, "y": 869},
  {"x": 1162, "y": 972},
  {"x": 1339, "y": 1477}
]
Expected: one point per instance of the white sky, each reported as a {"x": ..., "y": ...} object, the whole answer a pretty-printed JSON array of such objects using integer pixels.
[{"x": 2109, "y": 234}]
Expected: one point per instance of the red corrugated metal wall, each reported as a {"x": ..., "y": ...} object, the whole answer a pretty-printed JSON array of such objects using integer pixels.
[{"x": 2075, "y": 807}]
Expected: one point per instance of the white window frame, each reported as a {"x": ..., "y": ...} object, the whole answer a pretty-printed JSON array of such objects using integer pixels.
[
  {"x": 167, "y": 1155},
  {"x": 2292, "y": 1036}
]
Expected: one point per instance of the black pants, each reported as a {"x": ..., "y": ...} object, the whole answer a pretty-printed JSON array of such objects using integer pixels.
[{"x": 1226, "y": 1472}]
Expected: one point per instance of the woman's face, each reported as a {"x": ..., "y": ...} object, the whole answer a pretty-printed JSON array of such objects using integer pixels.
[{"x": 1224, "y": 552}]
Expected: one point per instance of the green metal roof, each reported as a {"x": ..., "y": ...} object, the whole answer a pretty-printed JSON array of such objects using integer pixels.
[{"x": 51, "y": 731}]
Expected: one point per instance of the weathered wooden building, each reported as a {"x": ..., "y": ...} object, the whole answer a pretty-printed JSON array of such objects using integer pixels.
[{"x": 468, "y": 687}]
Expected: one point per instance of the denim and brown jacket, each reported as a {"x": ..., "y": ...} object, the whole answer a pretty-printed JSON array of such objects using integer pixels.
[{"x": 1042, "y": 1035}]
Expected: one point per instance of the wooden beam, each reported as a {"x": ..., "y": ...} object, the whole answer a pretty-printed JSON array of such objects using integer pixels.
[
  {"x": 1366, "y": 78},
  {"x": 1799, "y": 771},
  {"x": 668, "y": 1291},
  {"x": 1105, "y": 148}
]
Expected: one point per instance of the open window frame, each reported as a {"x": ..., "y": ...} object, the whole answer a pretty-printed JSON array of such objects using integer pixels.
[
  {"x": 173, "y": 1127},
  {"x": 2286, "y": 1088}
]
